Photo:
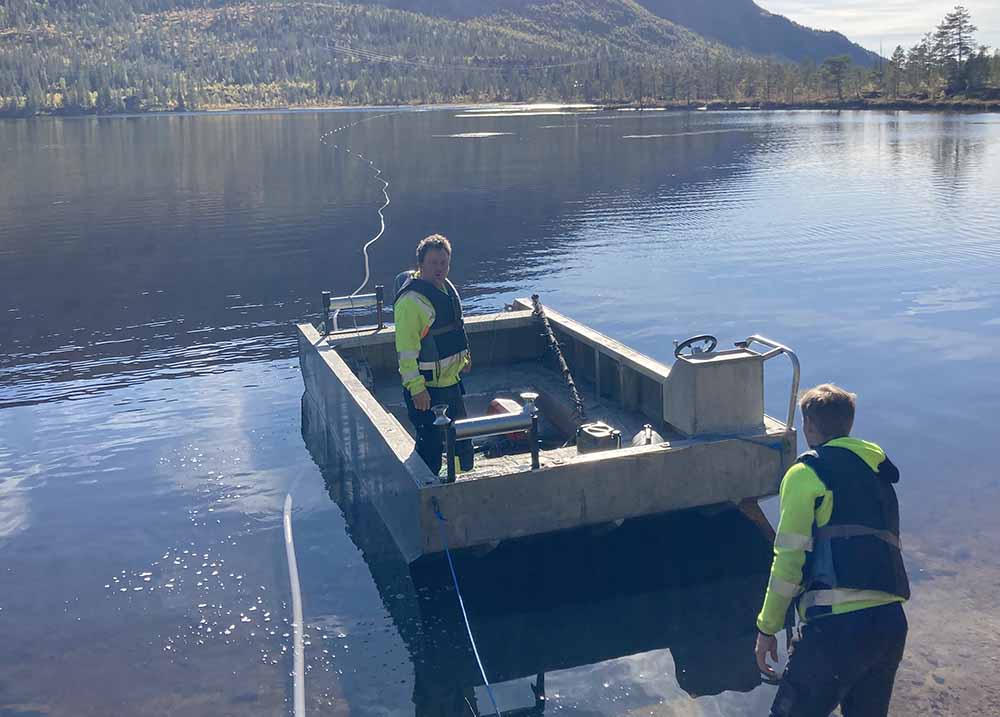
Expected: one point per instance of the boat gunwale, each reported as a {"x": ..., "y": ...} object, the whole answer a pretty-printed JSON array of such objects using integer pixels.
[{"x": 369, "y": 404}]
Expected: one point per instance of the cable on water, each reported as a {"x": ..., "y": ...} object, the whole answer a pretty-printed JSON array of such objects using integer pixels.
[
  {"x": 381, "y": 210},
  {"x": 298, "y": 626},
  {"x": 461, "y": 604},
  {"x": 381, "y": 231},
  {"x": 289, "y": 545},
  {"x": 298, "y": 650}
]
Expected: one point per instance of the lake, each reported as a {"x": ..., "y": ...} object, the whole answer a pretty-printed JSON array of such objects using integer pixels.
[{"x": 151, "y": 421}]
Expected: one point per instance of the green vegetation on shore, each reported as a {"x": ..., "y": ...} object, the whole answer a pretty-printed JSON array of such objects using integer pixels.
[{"x": 114, "y": 56}]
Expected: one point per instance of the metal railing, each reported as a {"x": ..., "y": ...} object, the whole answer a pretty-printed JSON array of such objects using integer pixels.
[
  {"x": 486, "y": 426},
  {"x": 776, "y": 350},
  {"x": 332, "y": 305}
]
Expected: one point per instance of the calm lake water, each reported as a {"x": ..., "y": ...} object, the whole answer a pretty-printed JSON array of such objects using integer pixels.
[{"x": 151, "y": 423}]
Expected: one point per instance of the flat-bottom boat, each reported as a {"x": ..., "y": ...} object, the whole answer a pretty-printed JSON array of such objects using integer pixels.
[{"x": 626, "y": 437}]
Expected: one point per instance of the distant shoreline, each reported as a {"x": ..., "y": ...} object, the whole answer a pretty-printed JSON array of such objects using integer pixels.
[
  {"x": 953, "y": 105},
  {"x": 964, "y": 104}
]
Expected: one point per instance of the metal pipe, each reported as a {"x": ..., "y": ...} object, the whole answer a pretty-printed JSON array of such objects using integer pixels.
[
  {"x": 533, "y": 436},
  {"x": 530, "y": 407},
  {"x": 445, "y": 424},
  {"x": 777, "y": 350},
  {"x": 450, "y": 453},
  {"x": 361, "y": 301},
  {"x": 326, "y": 311},
  {"x": 495, "y": 425},
  {"x": 380, "y": 301},
  {"x": 500, "y": 423}
]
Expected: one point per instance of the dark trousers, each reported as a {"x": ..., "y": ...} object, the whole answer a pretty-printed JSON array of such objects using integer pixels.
[
  {"x": 430, "y": 440},
  {"x": 847, "y": 659}
]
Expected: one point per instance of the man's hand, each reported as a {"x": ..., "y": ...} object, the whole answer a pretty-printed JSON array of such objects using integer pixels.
[
  {"x": 422, "y": 401},
  {"x": 766, "y": 645},
  {"x": 468, "y": 366}
]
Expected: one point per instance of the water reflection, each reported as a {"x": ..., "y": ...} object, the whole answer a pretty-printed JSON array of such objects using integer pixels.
[
  {"x": 685, "y": 583},
  {"x": 136, "y": 248},
  {"x": 956, "y": 156}
]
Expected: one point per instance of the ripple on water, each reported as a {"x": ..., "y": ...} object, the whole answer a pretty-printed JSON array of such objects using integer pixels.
[{"x": 154, "y": 412}]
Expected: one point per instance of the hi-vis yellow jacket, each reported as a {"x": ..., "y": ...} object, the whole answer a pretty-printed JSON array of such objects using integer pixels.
[
  {"x": 413, "y": 315},
  {"x": 807, "y": 502}
]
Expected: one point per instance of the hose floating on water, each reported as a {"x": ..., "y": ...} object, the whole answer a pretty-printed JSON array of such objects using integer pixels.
[
  {"x": 381, "y": 210},
  {"x": 298, "y": 673}
]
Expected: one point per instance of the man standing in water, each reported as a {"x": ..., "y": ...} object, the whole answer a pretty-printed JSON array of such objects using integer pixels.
[
  {"x": 432, "y": 348},
  {"x": 837, "y": 555}
]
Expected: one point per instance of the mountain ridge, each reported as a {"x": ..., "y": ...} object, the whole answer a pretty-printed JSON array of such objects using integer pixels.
[
  {"x": 750, "y": 28},
  {"x": 111, "y": 56},
  {"x": 739, "y": 24}
]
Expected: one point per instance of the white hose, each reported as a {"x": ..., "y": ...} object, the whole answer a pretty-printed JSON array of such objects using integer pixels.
[
  {"x": 299, "y": 686},
  {"x": 381, "y": 215},
  {"x": 381, "y": 231},
  {"x": 298, "y": 649}
]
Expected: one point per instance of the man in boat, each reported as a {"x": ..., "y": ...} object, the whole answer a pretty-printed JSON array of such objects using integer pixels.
[
  {"x": 432, "y": 348},
  {"x": 837, "y": 556}
]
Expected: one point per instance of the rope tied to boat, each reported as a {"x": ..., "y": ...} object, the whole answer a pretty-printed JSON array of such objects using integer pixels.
[
  {"x": 461, "y": 603},
  {"x": 579, "y": 413}
]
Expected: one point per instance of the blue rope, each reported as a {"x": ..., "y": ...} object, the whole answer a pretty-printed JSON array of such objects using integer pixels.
[{"x": 461, "y": 603}]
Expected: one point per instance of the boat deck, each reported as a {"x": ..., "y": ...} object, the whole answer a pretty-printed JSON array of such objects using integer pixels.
[{"x": 486, "y": 383}]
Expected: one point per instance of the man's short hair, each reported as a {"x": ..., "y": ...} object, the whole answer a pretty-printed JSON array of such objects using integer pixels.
[
  {"x": 434, "y": 241},
  {"x": 831, "y": 409}
]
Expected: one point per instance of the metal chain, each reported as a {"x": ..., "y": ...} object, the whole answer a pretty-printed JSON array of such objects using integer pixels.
[{"x": 579, "y": 414}]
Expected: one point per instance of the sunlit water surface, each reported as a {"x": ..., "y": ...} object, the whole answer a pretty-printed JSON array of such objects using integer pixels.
[{"x": 150, "y": 400}]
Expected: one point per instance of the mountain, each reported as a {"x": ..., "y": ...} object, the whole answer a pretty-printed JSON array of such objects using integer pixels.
[
  {"x": 110, "y": 56},
  {"x": 744, "y": 25},
  {"x": 739, "y": 24}
]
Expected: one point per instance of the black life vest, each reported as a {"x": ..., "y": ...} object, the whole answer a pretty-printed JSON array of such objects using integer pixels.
[
  {"x": 446, "y": 336},
  {"x": 859, "y": 548}
]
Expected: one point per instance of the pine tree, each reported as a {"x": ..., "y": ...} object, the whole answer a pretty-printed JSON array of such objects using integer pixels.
[
  {"x": 919, "y": 63},
  {"x": 976, "y": 71},
  {"x": 897, "y": 66},
  {"x": 835, "y": 71},
  {"x": 953, "y": 39},
  {"x": 105, "y": 103},
  {"x": 81, "y": 94},
  {"x": 34, "y": 97},
  {"x": 952, "y": 43}
]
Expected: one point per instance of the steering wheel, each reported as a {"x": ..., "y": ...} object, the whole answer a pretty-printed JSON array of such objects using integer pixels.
[{"x": 710, "y": 341}]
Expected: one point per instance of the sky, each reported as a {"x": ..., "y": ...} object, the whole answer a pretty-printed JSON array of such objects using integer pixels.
[{"x": 891, "y": 22}]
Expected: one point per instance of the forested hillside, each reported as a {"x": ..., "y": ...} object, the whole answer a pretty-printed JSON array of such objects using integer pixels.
[
  {"x": 110, "y": 56},
  {"x": 113, "y": 55}
]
